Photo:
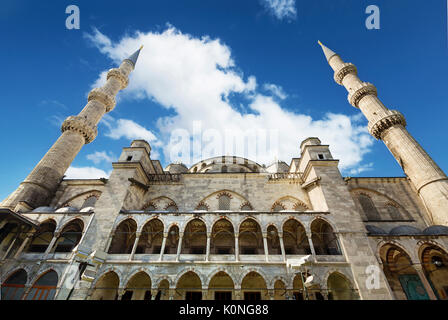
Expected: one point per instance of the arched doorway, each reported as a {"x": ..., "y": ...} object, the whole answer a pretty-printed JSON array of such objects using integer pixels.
[
  {"x": 223, "y": 238},
  {"x": 189, "y": 287},
  {"x": 45, "y": 287},
  {"x": 403, "y": 279},
  {"x": 151, "y": 238},
  {"x": 324, "y": 239},
  {"x": 70, "y": 236},
  {"x": 42, "y": 237},
  {"x": 254, "y": 287},
  {"x": 250, "y": 238},
  {"x": 124, "y": 237},
  {"x": 107, "y": 287},
  {"x": 221, "y": 287},
  {"x": 279, "y": 290},
  {"x": 295, "y": 239},
  {"x": 14, "y": 287},
  {"x": 138, "y": 287},
  {"x": 195, "y": 237},
  {"x": 339, "y": 287},
  {"x": 435, "y": 266}
]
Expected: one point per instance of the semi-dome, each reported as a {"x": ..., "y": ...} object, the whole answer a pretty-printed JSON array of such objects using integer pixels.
[
  {"x": 436, "y": 230},
  {"x": 404, "y": 231},
  {"x": 176, "y": 168},
  {"x": 278, "y": 167},
  {"x": 373, "y": 230},
  {"x": 67, "y": 209},
  {"x": 226, "y": 164},
  {"x": 44, "y": 209}
]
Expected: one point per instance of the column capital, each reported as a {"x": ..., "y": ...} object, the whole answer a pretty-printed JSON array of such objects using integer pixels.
[
  {"x": 360, "y": 91},
  {"x": 80, "y": 125},
  {"x": 100, "y": 95},
  {"x": 120, "y": 76},
  {"x": 391, "y": 118},
  {"x": 345, "y": 69}
]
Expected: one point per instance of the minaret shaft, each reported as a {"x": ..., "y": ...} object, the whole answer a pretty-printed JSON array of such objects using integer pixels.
[
  {"x": 429, "y": 180},
  {"x": 41, "y": 184}
]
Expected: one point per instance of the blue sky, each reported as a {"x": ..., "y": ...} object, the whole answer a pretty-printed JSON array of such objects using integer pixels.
[{"x": 228, "y": 64}]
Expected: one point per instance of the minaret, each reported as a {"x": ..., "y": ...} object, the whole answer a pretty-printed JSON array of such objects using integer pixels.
[
  {"x": 429, "y": 180},
  {"x": 39, "y": 187}
]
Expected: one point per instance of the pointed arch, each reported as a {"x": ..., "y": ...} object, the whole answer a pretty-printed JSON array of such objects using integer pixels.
[
  {"x": 44, "y": 288},
  {"x": 13, "y": 287}
]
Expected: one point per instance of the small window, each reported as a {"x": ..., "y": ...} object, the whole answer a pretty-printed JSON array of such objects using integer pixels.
[
  {"x": 321, "y": 156},
  {"x": 224, "y": 202},
  {"x": 129, "y": 158}
]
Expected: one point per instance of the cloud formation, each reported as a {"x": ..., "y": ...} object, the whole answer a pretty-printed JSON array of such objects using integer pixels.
[
  {"x": 197, "y": 79},
  {"x": 281, "y": 9},
  {"x": 99, "y": 156},
  {"x": 85, "y": 173}
]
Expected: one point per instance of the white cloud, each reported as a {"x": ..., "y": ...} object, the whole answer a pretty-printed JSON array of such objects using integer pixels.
[
  {"x": 362, "y": 168},
  {"x": 275, "y": 90},
  {"x": 125, "y": 128},
  {"x": 85, "y": 173},
  {"x": 281, "y": 9},
  {"x": 98, "y": 156},
  {"x": 194, "y": 77}
]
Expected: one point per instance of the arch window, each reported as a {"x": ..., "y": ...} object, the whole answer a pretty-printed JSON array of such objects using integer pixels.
[
  {"x": 368, "y": 207},
  {"x": 224, "y": 202},
  {"x": 223, "y": 238},
  {"x": 151, "y": 238},
  {"x": 124, "y": 237},
  {"x": 44, "y": 288},
  {"x": 14, "y": 287},
  {"x": 394, "y": 212},
  {"x": 42, "y": 237},
  {"x": 70, "y": 236},
  {"x": 324, "y": 239},
  {"x": 250, "y": 238},
  {"x": 89, "y": 202},
  {"x": 295, "y": 239},
  {"x": 195, "y": 237}
]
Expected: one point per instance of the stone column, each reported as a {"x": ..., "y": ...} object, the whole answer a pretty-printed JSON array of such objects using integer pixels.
[
  {"x": 422, "y": 276},
  {"x": 162, "y": 249},
  {"x": 10, "y": 246},
  {"x": 51, "y": 245},
  {"x": 205, "y": 294},
  {"x": 134, "y": 247},
  {"x": 40, "y": 185},
  {"x": 179, "y": 245},
  {"x": 109, "y": 241},
  {"x": 310, "y": 243},
  {"x": 265, "y": 245},
  {"x": 282, "y": 246},
  {"x": 238, "y": 294},
  {"x": 207, "y": 250},
  {"x": 237, "y": 248},
  {"x": 154, "y": 293},
  {"x": 23, "y": 245}
]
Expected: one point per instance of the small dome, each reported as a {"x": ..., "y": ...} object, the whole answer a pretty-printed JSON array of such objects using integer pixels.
[
  {"x": 375, "y": 230},
  {"x": 436, "y": 230},
  {"x": 176, "y": 168},
  {"x": 67, "y": 209},
  {"x": 44, "y": 209},
  {"x": 87, "y": 209},
  {"x": 404, "y": 231}
]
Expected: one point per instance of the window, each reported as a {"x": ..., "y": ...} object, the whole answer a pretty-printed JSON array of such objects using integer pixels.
[
  {"x": 252, "y": 296},
  {"x": 321, "y": 156},
  {"x": 89, "y": 202},
  {"x": 394, "y": 212},
  {"x": 224, "y": 169},
  {"x": 224, "y": 202},
  {"x": 223, "y": 295},
  {"x": 368, "y": 207},
  {"x": 246, "y": 207},
  {"x": 129, "y": 158},
  {"x": 193, "y": 295},
  {"x": 14, "y": 287}
]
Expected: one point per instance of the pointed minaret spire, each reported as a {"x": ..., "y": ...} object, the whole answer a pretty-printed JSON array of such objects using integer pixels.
[
  {"x": 39, "y": 188},
  {"x": 429, "y": 181},
  {"x": 327, "y": 52},
  {"x": 134, "y": 57}
]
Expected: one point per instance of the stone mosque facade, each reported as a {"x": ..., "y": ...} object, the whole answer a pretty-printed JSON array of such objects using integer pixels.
[{"x": 228, "y": 228}]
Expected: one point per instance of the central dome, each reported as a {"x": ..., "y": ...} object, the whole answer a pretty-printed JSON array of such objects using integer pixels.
[{"x": 226, "y": 164}]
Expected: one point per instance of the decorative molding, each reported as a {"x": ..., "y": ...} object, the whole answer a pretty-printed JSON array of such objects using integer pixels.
[
  {"x": 100, "y": 95},
  {"x": 345, "y": 69},
  {"x": 392, "y": 118},
  {"x": 359, "y": 92},
  {"x": 117, "y": 74},
  {"x": 81, "y": 126}
]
